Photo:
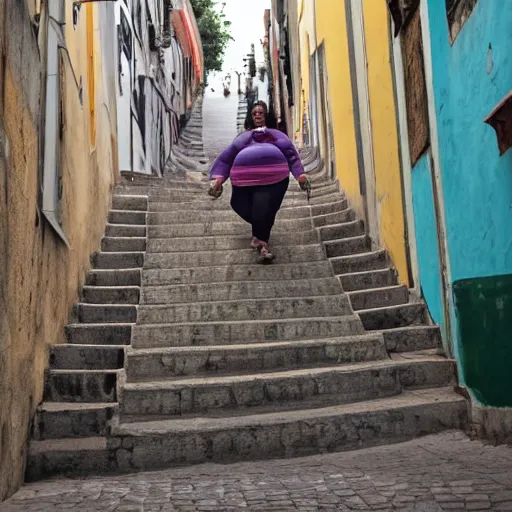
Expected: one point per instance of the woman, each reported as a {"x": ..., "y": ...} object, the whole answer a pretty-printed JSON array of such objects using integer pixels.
[{"x": 258, "y": 162}]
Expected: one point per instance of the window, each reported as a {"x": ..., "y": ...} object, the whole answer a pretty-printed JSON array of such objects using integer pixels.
[
  {"x": 458, "y": 11},
  {"x": 415, "y": 87}
]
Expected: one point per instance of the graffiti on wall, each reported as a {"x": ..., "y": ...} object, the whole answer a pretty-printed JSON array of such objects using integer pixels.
[{"x": 150, "y": 85}]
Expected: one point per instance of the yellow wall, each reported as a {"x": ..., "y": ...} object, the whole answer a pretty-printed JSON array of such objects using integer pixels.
[
  {"x": 306, "y": 35},
  {"x": 39, "y": 276},
  {"x": 331, "y": 28},
  {"x": 385, "y": 136}
]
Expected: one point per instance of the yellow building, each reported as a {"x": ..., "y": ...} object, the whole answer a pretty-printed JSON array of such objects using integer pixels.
[
  {"x": 347, "y": 96},
  {"x": 57, "y": 169}
]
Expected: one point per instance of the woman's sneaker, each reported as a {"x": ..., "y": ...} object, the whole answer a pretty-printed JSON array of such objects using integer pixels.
[
  {"x": 256, "y": 244},
  {"x": 266, "y": 256}
]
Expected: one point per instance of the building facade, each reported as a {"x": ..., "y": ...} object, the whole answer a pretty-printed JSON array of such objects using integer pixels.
[
  {"x": 409, "y": 104},
  {"x": 68, "y": 90},
  {"x": 160, "y": 67}
]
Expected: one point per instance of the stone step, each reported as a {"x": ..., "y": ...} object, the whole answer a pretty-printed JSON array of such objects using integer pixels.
[
  {"x": 99, "y": 334},
  {"x": 354, "y": 245},
  {"x": 179, "y": 165},
  {"x": 211, "y": 224},
  {"x": 379, "y": 297},
  {"x": 80, "y": 386},
  {"x": 202, "y": 202},
  {"x": 118, "y": 260},
  {"x": 340, "y": 217},
  {"x": 283, "y": 254},
  {"x": 330, "y": 207},
  {"x": 393, "y": 316},
  {"x": 56, "y": 420},
  {"x": 188, "y": 161},
  {"x": 290, "y": 208},
  {"x": 220, "y": 208},
  {"x": 284, "y": 389},
  {"x": 340, "y": 231},
  {"x": 111, "y": 294},
  {"x": 227, "y": 242},
  {"x": 164, "y": 193},
  {"x": 249, "y": 309},
  {"x": 106, "y": 313},
  {"x": 192, "y": 152},
  {"x": 127, "y": 217},
  {"x": 145, "y": 364},
  {"x": 319, "y": 186},
  {"x": 156, "y": 445},
  {"x": 198, "y": 275},
  {"x": 320, "y": 189},
  {"x": 326, "y": 198},
  {"x": 413, "y": 338},
  {"x": 86, "y": 357},
  {"x": 189, "y": 154},
  {"x": 153, "y": 181},
  {"x": 369, "y": 279},
  {"x": 115, "y": 277},
  {"x": 187, "y": 140},
  {"x": 123, "y": 244},
  {"x": 125, "y": 230},
  {"x": 193, "y": 132},
  {"x": 237, "y": 228},
  {"x": 129, "y": 202},
  {"x": 254, "y": 331},
  {"x": 373, "y": 260},
  {"x": 240, "y": 290}
]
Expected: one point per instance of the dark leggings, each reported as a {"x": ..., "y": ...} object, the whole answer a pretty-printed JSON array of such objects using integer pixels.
[{"x": 258, "y": 205}]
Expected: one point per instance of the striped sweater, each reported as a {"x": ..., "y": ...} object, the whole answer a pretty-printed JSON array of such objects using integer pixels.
[{"x": 258, "y": 157}]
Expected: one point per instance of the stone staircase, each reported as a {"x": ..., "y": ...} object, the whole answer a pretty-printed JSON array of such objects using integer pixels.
[
  {"x": 206, "y": 356},
  {"x": 80, "y": 391},
  {"x": 241, "y": 114}
]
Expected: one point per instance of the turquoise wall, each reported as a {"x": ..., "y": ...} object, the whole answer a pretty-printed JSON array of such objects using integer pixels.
[
  {"x": 426, "y": 238},
  {"x": 470, "y": 78},
  {"x": 477, "y": 183}
]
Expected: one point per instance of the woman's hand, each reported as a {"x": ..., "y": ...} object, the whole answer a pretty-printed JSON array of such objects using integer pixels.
[
  {"x": 215, "y": 188},
  {"x": 304, "y": 182}
]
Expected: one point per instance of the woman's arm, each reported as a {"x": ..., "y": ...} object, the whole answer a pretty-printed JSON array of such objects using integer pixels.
[
  {"x": 291, "y": 154},
  {"x": 221, "y": 168}
]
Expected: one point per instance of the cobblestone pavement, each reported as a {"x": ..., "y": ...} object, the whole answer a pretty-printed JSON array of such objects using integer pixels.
[{"x": 435, "y": 473}]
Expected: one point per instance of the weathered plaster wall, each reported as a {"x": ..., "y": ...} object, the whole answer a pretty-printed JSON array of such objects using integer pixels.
[
  {"x": 331, "y": 28},
  {"x": 39, "y": 275},
  {"x": 385, "y": 135},
  {"x": 470, "y": 78}
]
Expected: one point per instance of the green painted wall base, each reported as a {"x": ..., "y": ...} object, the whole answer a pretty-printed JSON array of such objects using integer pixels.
[
  {"x": 484, "y": 312},
  {"x": 491, "y": 423}
]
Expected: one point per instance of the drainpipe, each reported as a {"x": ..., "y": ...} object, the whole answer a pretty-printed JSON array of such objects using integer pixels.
[{"x": 52, "y": 117}]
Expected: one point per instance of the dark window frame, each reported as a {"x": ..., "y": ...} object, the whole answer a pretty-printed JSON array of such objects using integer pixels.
[{"x": 457, "y": 13}]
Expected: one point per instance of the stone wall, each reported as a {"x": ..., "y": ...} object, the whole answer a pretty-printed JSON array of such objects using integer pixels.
[{"x": 39, "y": 275}]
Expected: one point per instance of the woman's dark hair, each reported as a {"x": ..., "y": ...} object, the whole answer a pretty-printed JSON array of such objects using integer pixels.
[{"x": 270, "y": 121}]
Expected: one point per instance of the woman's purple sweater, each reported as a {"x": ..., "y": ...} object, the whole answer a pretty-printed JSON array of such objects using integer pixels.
[{"x": 258, "y": 157}]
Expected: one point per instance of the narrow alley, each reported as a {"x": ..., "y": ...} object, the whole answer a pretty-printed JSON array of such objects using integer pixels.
[{"x": 158, "y": 356}]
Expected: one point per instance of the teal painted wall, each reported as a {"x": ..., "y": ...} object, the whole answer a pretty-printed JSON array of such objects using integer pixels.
[
  {"x": 426, "y": 237},
  {"x": 470, "y": 77},
  {"x": 477, "y": 183}
]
